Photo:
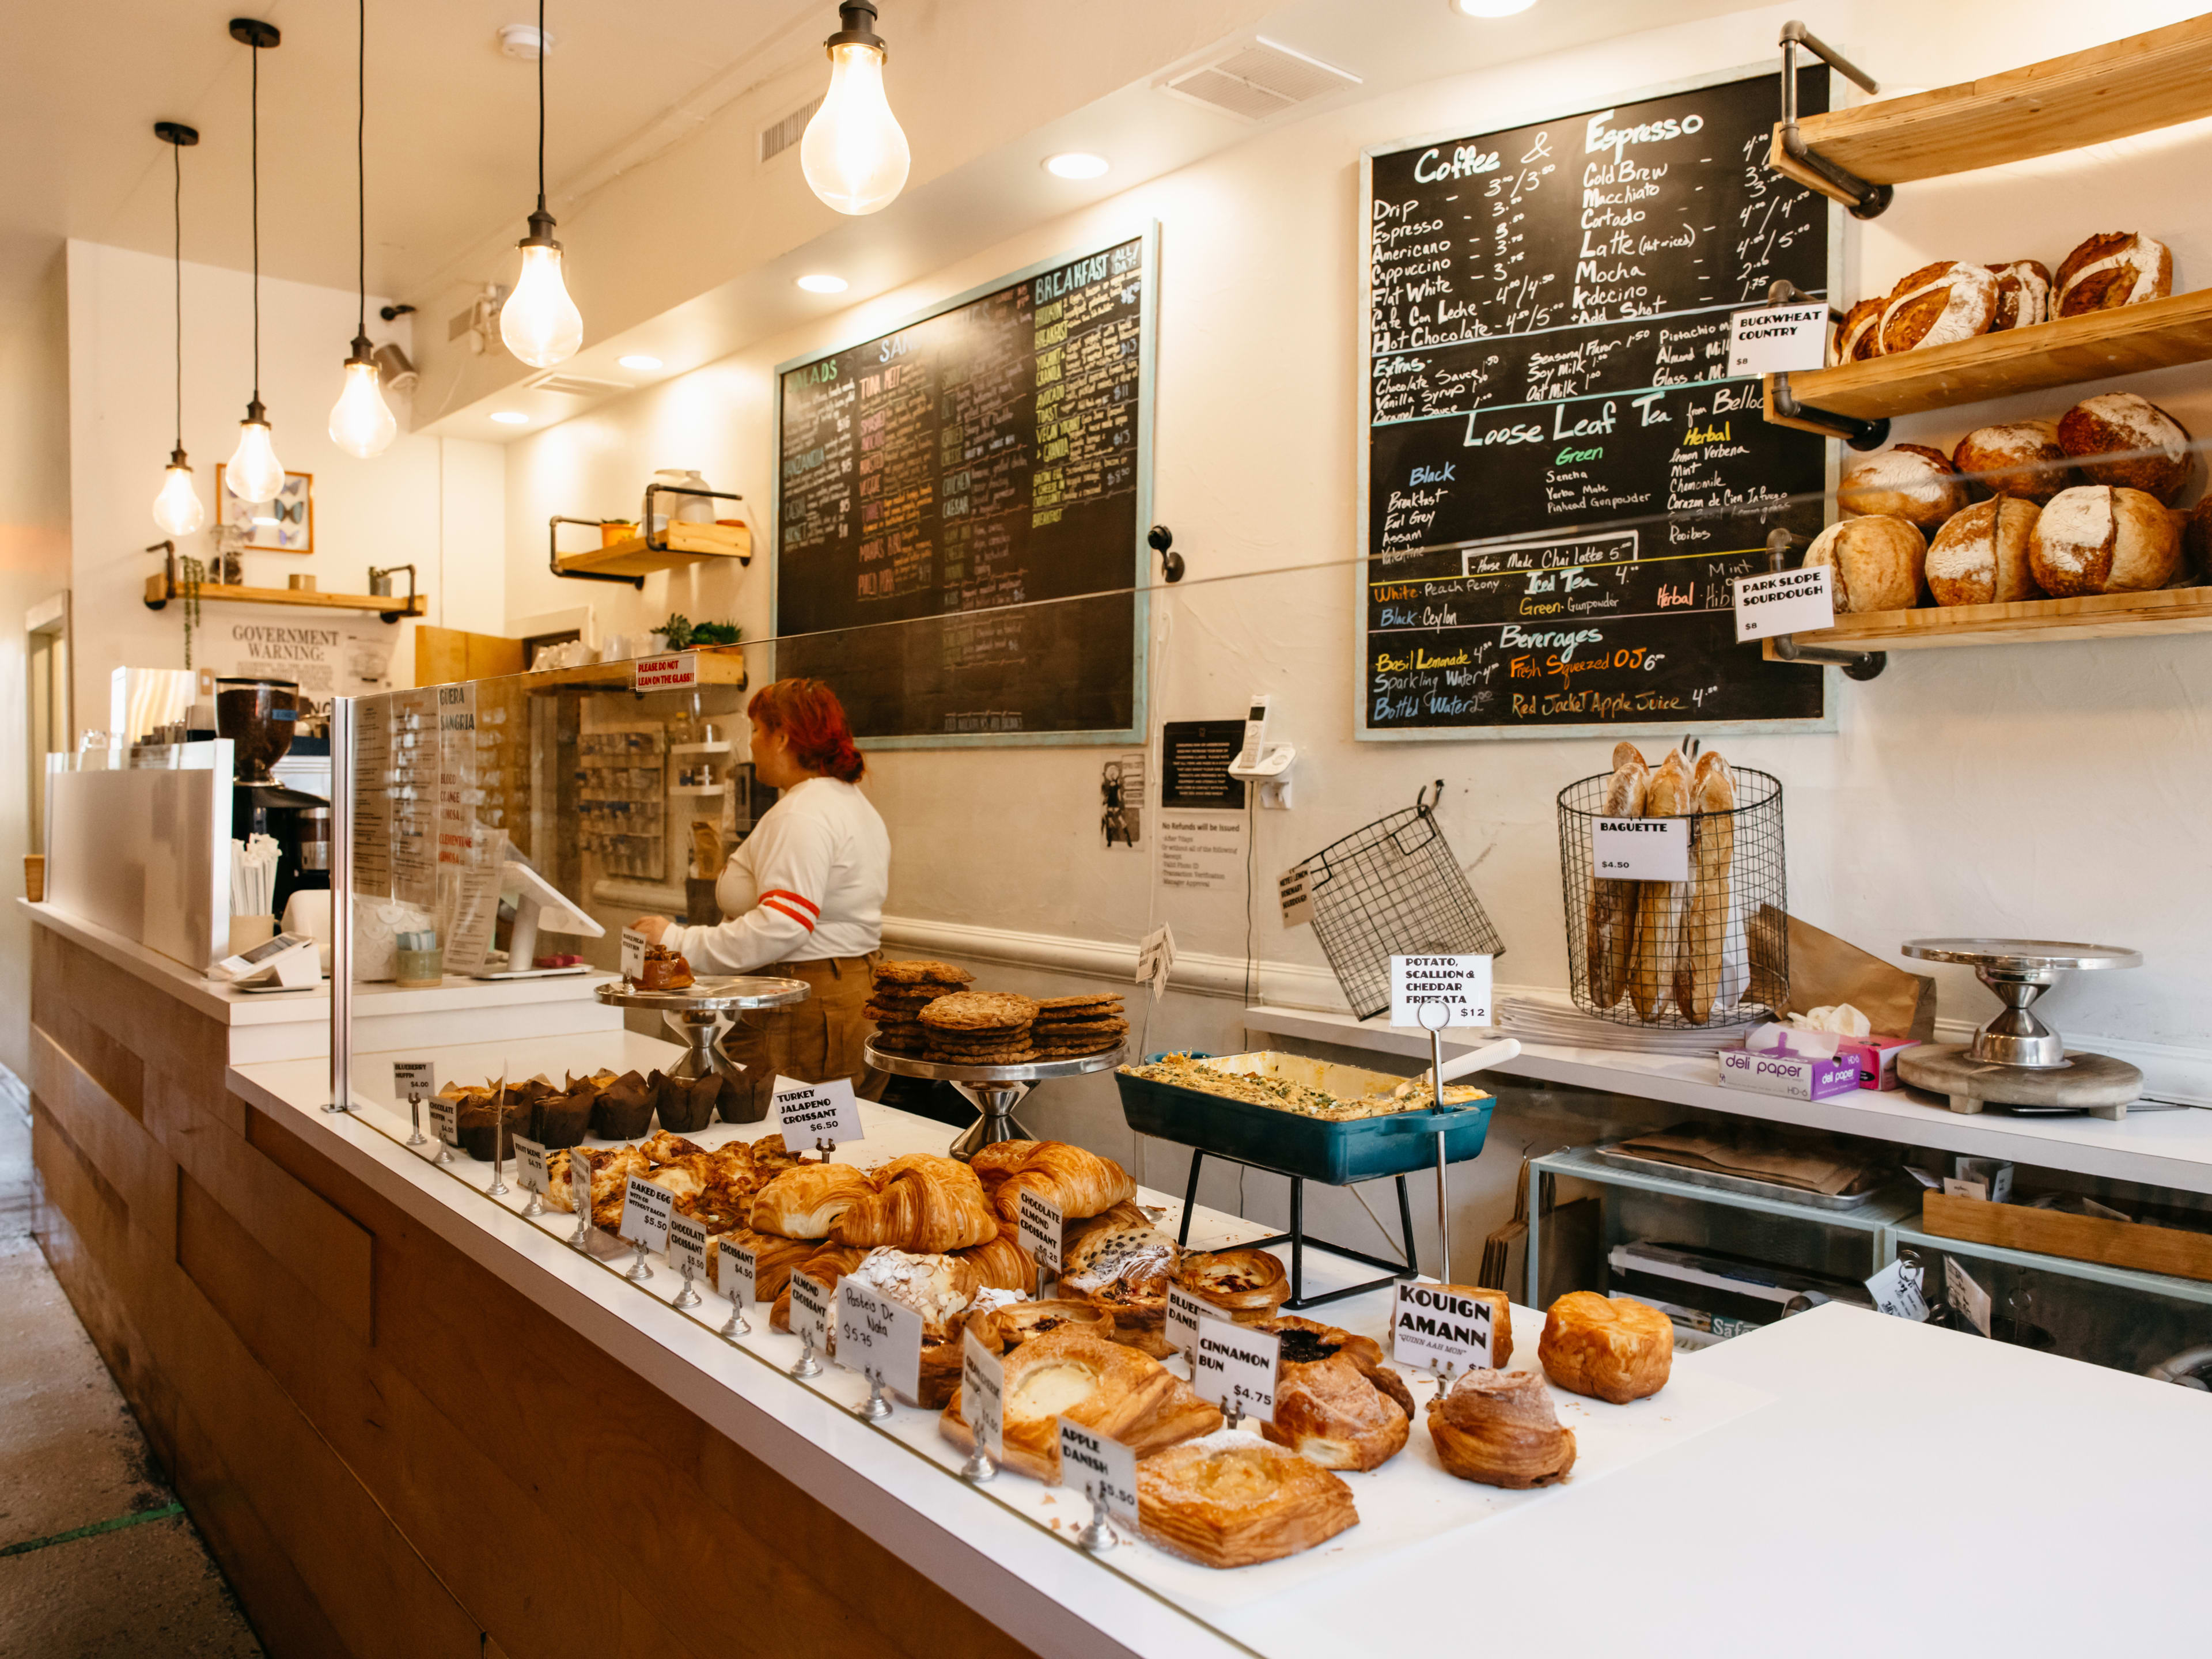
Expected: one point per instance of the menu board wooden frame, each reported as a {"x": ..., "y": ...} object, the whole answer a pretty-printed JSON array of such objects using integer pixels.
[
  {"x": 1142, "y": 558},
  {"x": 1675, "y": 726}
]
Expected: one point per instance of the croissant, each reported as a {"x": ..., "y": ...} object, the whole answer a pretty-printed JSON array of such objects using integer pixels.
[
  {"x": 1082, "y": 1183},
  {"x": 829, "y": 1264},
  {"x": 769, "y": 1153},
  {"x": 932, "y": 1204},
  {"x": 805, "y": 1202},
  {"x": 773, "y": 1259},
  {"x": 1231, "y": 1498},
  {"x": 663, "y": 1147},
  {"x": 1095, "y": 1384},
  {"x": 995, "y": 1161},
  {"x": 1501, "y": 1429},
  {"x": 1336, "y": 1402},
  {"x": 1611, "y": 1347},
  {"x": 1002, "y": 1264}
]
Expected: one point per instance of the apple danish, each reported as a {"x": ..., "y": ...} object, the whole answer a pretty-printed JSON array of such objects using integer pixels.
[
  {"x": 1231, "y": 1498},
  {"x": 1500, "y": 1428}
]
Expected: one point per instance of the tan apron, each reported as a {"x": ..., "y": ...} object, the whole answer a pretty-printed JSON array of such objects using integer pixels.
[{"x": 816, "y": 1040}]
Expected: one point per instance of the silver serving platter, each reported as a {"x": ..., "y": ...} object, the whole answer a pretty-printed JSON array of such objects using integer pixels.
[
  {"x": 1745, "y": 1186},
  {"x": 1035, "y": 1071},
  {"x": 2022, "y": 956},
  {"x": 709, "y": 993}
]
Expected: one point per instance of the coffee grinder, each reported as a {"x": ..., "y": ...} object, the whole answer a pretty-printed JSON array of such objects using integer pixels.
[{"x": 259, "y": 717}]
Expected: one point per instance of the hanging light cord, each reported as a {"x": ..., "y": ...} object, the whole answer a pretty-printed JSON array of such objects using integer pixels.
[
  {"x": 176, "y": 208},
  {"x": 541, "y": 106},
  {"x": 361, "y": 165},
  {"x": 256, "y": 223}
]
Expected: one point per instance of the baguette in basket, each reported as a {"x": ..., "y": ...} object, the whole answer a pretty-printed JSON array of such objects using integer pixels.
[
  {"x": 1609, "y": 943},
  {"x": 1703, "y": 945}
]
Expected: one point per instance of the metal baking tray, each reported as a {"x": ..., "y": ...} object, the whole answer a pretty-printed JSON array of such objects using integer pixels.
[{"x": 1610, "y": 1153}]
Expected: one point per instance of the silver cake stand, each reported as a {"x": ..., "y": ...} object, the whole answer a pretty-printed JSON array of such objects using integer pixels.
[
  {"x": 2016, "y": 1060},
  {"x": 698, "y": 1012},
  {"x": 993, "y": 1090}
]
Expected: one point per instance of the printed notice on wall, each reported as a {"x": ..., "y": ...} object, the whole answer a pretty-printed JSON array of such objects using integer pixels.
[
  {"x": 324, "y": 659},
  {"x": 1201, "y": 850},
  {"x": 372, "y": 796},
  {"x": 1195, "y": 757}
]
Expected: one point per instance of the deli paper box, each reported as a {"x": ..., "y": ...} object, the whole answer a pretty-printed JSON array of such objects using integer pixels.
[
  {"x": 1797, "y": 1077},
  {"x": 1877, "y": 1058}
]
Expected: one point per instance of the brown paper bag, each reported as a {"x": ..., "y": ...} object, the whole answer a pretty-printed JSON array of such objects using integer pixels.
[{"x": 1825, "y": 970}]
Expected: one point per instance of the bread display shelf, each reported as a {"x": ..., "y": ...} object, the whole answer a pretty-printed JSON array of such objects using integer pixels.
[
  {"x": 716, "y": 668},
  {"x": 2023, "y": 621},
  {"x": 391, "y": 607},
  {"x": 2141, "y": 1246},
  {"x": 683, "y": 544}
]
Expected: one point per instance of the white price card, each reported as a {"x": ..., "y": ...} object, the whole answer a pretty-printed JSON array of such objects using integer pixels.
[
  {"x": 530, "y": 1166},
  {"x": 1959, "y": 1187},
  {"x": 1797, "y": 601},
  {"x": 983, "y": 1395},
  {"x": 1156, "y": 957},
  {"x": 633, "y": 955},
  {"x": 1897, "y": 1291},
  {"x": 880, "y": 1338},
  {"x": 738, "y": 1275},
  {"x": 1184, "y": 1311},
  {"x": 1440, "y": 1327},
  {"x": 1459, "y": 985},
  {"x": 1294, "y": 889},
  {"x": 687, "y": 1244},
  {"x": 1043, "y": 1226},
  {"x": 1965, "y": 1296},
  {"x": 1640, "y": 849},
  {"x": 646, "y": 1210},
  {"x": 810, "y": 1113},
  {"x": 445, "y": 1119},
  {"x": 1235, "y": 1365},
  {"x": 1778, "y": 339},
  {"x": 810, "y": 1309},
  {"x": 413, "y": 1080},
  {"x": 1104, "y": 1469},
  {"x": 677, "y": 672}
]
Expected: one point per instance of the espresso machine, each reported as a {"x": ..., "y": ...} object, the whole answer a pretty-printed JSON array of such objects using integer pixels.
[{"x": 260, "y": 717}]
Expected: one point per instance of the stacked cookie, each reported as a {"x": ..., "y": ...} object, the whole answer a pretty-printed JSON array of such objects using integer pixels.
[
  {"x": 1069, "y": 1026},
  {"x": 978, "y": 1028},
  {"x": 902, "y": 990}
]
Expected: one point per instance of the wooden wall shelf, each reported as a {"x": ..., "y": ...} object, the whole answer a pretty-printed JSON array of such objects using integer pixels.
[
  {"x": 2136, "y": 85},
  {"x": 390, "y": 607},
  {"x": 2025, "y": 621},
  {"x": 718, "y": 665},
  {"x": 688, "y": 544}
]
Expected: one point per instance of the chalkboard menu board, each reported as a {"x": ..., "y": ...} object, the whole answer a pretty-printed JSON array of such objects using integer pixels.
[
  {"x": 961, "y": 508},
  {"x": 1559, "y": 479}
]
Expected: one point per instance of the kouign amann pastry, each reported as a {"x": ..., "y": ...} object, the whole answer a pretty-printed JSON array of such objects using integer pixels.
[
  {"x": 1911, "y": 482},
  {"x": 1231, "y": 1499},
  {"x": 2117, "y": 438},
  {"x": 1336, "y": 1400},
  {"x": 1982, "y": 555},
  {"x": 1874, "y": 563},
  {"x": 2022, "y": 458},
  {"x": 2120, "y": 268},
  {"x": 1098, "y": 1385},
  {"x": 1500, "y": 1428},
  {"x": 1611, "y": 1348},
  {"x": 806, "y": 1202},
  {"x": 2096, "y": 539}
]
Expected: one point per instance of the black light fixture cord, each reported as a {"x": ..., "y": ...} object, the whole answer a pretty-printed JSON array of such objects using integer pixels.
[
  {"x": 256, "y": 223},
  {"x": 176, "y": 208},
  {"x": 541, "y": 106},
  {"x": 361, "y": 165}
]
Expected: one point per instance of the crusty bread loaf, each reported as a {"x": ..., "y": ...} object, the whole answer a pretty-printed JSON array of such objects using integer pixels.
[
  {"x": 1939, "y": 305},
  {"x": 2021, "y": 458},
  {"x": 1702, "y": 952},
  {"x": 1981, "y": 555},
  {"x": 1858, "y": 336},
  {"x": 1609, "y": 937},
  {"x": 2120, "y": 438},
  {"x": 1911, "y": 482},
  {"x": 1877, "y": 563},
  {"x": 2120, "y": 268},
  {"x": 2023, "y": 294},
  {"x": 1659, "y": 903},
  {"x": 2094, "y": 538},
  {"x": 2197, "y": 539}
]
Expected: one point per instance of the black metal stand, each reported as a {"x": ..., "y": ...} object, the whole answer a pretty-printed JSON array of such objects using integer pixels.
[{"x": 1298, "y": 1240}]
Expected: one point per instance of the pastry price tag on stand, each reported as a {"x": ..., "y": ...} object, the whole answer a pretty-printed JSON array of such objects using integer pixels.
[
  {"x": 1797, "y": 601},
  {"x": 1965, "y": 1296},
  {"x": 983, "y": 1395},
  {"x": 1042, "y": 1227},
  {"x": 1460, "y": 984},
  {"x": 530, "y": 1165},
  {"x": 1641, "y": 849},
  {"x": 1440, "y": 1327},
  {"x": 1896, "y": 1291},
  {"x": 738, "y": 1277},
  {"x": 1294, "y": 889},
  {"x": 810, "y": 1113},
  {"x": 445, "y": 1119},
  {"x": 879, "y": 1338},
  {"x": 633, "y": 955},
  {"x": 1777, "y": 339},
  {"x": 810, "y": 1310},
  {"x": 687, "y": 1245},
  {"x": 414, "y": 1080},
  {"x": 1105, "y": 1469},
  {"x": 1236, "y": 1367},
  {"x": 646, "y": 1210},
  {"x": 1184, "y": 1311}
]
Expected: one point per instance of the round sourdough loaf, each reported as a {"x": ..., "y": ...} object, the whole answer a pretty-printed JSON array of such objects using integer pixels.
[
  {"x": 1939, "y": 305},
  {"x": 2023, "y": 459},
  {"x": 1878, "y": 563},
  {"x": 2094, "y": 538},
  {"x": 2147, "y": 448},
  {"x": 1858, "y": 336},
  {"x": 1981, "y": 555},
  {"x": 2023, "y": 294},
  {"x": 2120, "y": 268},
  {"x": 1911, "y": 482}
]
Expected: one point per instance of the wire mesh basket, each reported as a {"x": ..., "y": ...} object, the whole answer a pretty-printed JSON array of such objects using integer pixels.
[
  {"x": 1394, "y": 889},
  {"x": 1710, "y": 951}
]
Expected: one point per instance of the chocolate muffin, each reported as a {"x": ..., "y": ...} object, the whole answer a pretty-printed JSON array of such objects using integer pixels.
[{"x": 623, "y": 1110}]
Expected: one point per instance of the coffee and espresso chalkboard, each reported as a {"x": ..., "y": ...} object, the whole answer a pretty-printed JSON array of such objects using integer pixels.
[
  {"x": 1559, "y": 480},
  {"x": 961, "y": 508}
]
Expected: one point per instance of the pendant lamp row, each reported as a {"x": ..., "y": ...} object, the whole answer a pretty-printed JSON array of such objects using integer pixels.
[{"x": 360, "y": 424}]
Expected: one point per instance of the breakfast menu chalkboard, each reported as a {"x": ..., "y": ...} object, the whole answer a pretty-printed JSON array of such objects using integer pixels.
[
  {"x": 1561, "y": 479},
  {"x": 960, "y": 508}
]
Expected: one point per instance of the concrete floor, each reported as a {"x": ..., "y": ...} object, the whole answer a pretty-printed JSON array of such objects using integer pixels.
[{"x": 97, "y": 1560}]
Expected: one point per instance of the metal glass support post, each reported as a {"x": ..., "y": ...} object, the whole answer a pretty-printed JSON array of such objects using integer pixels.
[{"x": 342, "y": 810}]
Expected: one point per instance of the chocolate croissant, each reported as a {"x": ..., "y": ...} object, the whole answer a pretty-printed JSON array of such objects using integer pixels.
[{"x": 1081, "y": 1182}]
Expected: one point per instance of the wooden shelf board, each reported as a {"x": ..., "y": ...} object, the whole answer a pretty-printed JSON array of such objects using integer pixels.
[
  {"x": 688, "y": 544},
  {"x": 2026, "y": 621},
  {"x": 717, "y": 666},
  {"x": 2145, "y": 82},
  {"x": 158, "y": 593},
  {"x": 2156, "y": 334}
]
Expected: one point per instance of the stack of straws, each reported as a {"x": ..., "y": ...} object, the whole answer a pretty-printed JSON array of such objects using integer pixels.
[{"x": 253, "y": 877}]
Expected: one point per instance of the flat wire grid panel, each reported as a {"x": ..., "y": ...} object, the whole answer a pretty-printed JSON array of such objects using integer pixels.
[
  {"x": 1712, "y": 950},
  {"x": 1393, "y": 889}
]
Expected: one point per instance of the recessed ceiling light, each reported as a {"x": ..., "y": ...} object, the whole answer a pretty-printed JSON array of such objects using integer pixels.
[
  {"x": 640, "y": 362},
  {"x": 820, "y": 282},
  {"x": 523, "y": 40},
  {"x": 1491, "y": 8},
  {"x": 510, "y": 418},
  {"x": 1076, "y": 164}
]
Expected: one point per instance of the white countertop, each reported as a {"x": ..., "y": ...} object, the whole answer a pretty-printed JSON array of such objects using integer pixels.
[
  {"x": 2157, "y": 1146},
  {"x": 1788, "y": 1482}
]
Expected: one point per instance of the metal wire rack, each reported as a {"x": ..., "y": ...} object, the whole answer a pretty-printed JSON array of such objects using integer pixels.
[{"x": 1394, "y": 889}]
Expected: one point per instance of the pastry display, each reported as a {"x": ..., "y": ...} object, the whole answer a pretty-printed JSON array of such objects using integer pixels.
[
  {"x": 1081, "y": 1182},
  {"x": 902, "y": 991},
  {"x": 1610, "y": 1348},
  {"x": 1500, "y": 1428},
  {"x": 1337, "y": 1401},
  {"x": 1247, "y": 1284},
  {"x": 1105, "y": 1387},
  {"x": 663, "y": 970},
  {"x": 2023, "y": 459},
  {"x": 1258, "y": 1089},
  {"x": 1067, "y": 1027},
  {"x": 1009, "y": 1324},
  {"x": 2097, "y": 539},
  {"x": 920, "y": 1202},
  {"x": 1939, "y": 305},
  {"x": 1231, "y": 1499},
  {"x": 2117, "y": 438},
  {"x": 806, "y": 1202},
  {"x": 1911, "y": 482},
  {"x": 1982, "y": 555},
  {"x": 1875, "y": 564},
  {"x": 2023, "y": 294},
  {"x": 979, "y": 1028},
  {"x": 2120, "y": 268}
]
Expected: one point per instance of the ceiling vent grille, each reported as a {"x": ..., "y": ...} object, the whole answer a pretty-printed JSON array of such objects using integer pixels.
[
  {"x": 577, "y": 386},
  {"x": 781, "y": 136},
  {"x": 1257, "y": 81}
]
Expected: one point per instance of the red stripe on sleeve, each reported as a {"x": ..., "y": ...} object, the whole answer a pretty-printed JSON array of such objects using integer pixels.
[
  {"x": 800, "y": 899},
  {"x": 769, "y": 902}
]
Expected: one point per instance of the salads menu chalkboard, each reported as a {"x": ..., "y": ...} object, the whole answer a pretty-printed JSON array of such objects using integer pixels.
[
  {"x": 958, "y": 518},
  {"x": 1561, "y": 479}
]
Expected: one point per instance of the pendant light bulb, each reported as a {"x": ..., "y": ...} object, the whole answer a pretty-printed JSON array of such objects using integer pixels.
[
  {"x": 361, "y": 423},
  {"x": 539, "y": 322},
  {"x": 178, "y": 509},
  {"x": 254, "y": 475},
  {"x": 855, "y": 153}
]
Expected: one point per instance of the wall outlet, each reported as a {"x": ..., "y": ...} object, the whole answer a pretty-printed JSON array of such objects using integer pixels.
[{"x": 1275, "y": 795}]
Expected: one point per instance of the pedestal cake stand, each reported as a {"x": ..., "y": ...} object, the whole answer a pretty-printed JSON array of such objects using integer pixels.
[
  {"x": 993, "y": 1090},
  {"x": 2015, "y": 1061}
]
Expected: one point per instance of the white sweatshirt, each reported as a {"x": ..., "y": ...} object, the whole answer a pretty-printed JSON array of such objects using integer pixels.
[{"x": 808, "y": 883}]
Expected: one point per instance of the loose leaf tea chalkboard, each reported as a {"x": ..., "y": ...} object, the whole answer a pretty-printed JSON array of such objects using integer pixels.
[
  {"x": 1560, "y": 482},
  {"x": 960, "y": 512}
]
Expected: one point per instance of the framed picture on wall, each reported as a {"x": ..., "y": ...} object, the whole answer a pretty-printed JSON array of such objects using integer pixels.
[{"x": 286, "y": 524}]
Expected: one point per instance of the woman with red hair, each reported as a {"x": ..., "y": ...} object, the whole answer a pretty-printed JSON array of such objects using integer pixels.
[{"x": 803, "y": 896}]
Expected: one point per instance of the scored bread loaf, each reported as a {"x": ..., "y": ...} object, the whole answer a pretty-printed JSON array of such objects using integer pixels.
[
  {"x": 1858, "y": 336},
  {"x": 1610, "y": 938},
  {"x": 2120, "y": 438},
  {"x": 1659, "y": 903},
  {"x": 2094, "y": 538},
  {"x": 1875, "y": 564},
  {"x": 2023, "y": 294},
  {"x": 1981, "y": 557},
  {"x": 1704, "y": 948},
  {"x": 2120, "y": 268},
  {"x": 2022, "y": 458},
  {"x": 1911, "y": 482},
  {"x": 1939, "y": 305}
]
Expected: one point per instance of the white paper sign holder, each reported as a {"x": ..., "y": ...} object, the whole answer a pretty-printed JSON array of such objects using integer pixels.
[{"x": 1856, "y": 665}]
